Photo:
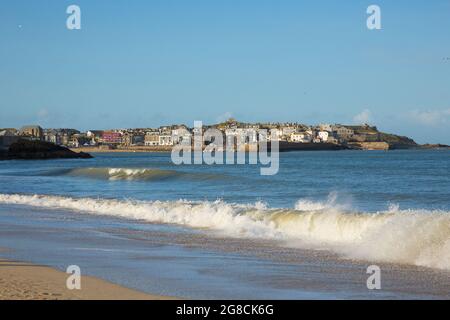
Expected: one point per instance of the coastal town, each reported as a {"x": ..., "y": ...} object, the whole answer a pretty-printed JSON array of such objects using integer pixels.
[{"x": 293, "y": 135}]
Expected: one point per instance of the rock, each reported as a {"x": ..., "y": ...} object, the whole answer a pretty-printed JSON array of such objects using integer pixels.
[
  {"x": 369, "y": 145},
  {"x": 39, "y": 150},
  {"x": 434, "y": 146},
  {"x": 397, "y": 142}
]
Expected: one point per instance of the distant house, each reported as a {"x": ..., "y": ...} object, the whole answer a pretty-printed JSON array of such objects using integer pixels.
[
  {"x": 151, "y": 139},
  {"x": 7, "y": 138},
  {"x": 181, "y": 135},
  {"x": 287, "y": 131},
  {"x": 323, "y": 136},
  {"x": 241, "y": 136},
  {"x": 111, "y": 137},
  {"x": 332, "y": 139},
  {"x": 138, "y": 140},
  {"x": 165, "y": 140},
  {"x": 127, "y": 139},
  {"x": 302, "y": 137},
  {"x": 52, "y": 135},
  {"x": 275, "y": 134},
  {"x": 342, "y": 132},
  {"x": 9, "y": 132},
  {"x": 165, "y": 130},
  {"x": 33, "y": 132},
  {"x": 74, "y": 142},
  {"x": 94, "y": 135}
]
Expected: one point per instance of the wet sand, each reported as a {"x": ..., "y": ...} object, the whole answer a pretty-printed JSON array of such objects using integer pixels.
[
  {"x": 24, "y": 281},
  {"x": 178, "y": 262}
]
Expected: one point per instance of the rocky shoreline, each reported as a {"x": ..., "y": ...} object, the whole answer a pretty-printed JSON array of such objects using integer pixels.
[
  {"x": 434, "y": 146},
  {"x": 39, "y": 150}
]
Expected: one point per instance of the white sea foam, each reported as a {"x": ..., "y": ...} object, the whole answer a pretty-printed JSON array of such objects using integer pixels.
[
  {"x": 417, "y": 237},
  {"x": 310, "y": 205},
  {"x": 122, "y": 173}
]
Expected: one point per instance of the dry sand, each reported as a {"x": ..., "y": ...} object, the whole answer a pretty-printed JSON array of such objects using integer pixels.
[{"x": 24, "y": 281}]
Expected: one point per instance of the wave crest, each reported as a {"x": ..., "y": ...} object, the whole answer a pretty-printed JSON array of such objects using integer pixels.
[
  {"x": 123, "y": 173},
  {"x": 417, "y": 237}
]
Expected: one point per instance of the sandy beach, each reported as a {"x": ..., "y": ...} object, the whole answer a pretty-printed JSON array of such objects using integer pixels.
[{"x": 24, "y": 281}]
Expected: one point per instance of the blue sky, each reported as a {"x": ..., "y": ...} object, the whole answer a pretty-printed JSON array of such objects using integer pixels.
[{"x": 149, "y": 63}]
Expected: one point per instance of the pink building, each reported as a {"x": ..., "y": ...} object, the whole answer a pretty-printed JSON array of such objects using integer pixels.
[{"x": 111, "y": 137}]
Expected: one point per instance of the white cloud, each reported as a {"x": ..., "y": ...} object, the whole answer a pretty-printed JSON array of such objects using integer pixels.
[
  {"x": 363, "y": 117},
  {"x": 224, "y": 117},
  {"x": 43, "y": 113},
  {"x": 431, "y": 117}
]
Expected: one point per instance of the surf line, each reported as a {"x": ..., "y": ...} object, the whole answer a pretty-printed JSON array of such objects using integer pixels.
[{"x": 209, "y": 147}]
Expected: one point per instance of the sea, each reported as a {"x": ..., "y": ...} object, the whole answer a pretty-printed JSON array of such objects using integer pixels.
[{"x": 312, "y": 231}]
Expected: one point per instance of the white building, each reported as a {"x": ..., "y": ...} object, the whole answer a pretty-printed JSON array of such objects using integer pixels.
[
  {"x": 275, "y": 134},
  {"x": 242, "y": 136},
  {"x": 322, "y": 135},
  {"x": 151, "y": 140},
  {"x": 165, "y": 140},
  {"x": 302, "y": 137},
  {"x": 287, "y": 131},
  {"x": 181, "y": 136},
  {"x": 33, "y": 132},
  {"x": 342, "y": 132}
]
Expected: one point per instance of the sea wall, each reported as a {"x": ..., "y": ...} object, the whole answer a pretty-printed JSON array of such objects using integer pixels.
[{"x": 284, "y": 146}]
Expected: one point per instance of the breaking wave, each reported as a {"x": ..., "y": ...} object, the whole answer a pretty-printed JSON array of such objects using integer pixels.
[
  {"x": 416, "y": 237},
  {"x": 123, "y": 173},
  {"x": 137, "y": 174}
]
